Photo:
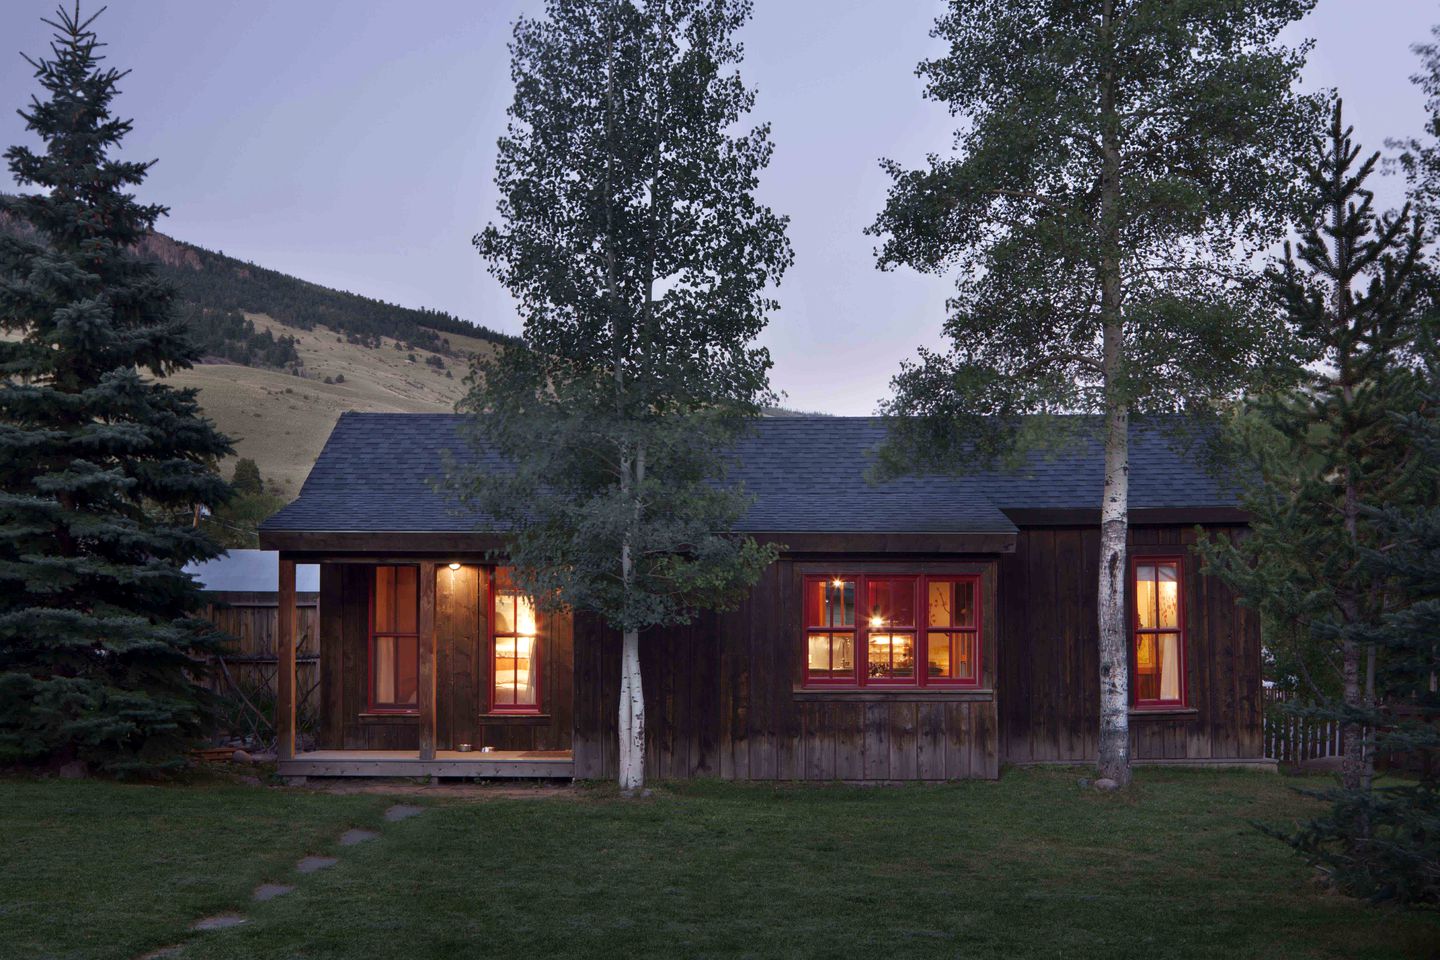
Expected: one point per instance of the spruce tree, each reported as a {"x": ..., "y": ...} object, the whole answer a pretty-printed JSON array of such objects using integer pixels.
[
  {"x": 1330, "y": 454},
  {"x": 1117, "y": 162},
  {"x": 100, "y": 465},
  {"x": 632, "y": 242}
]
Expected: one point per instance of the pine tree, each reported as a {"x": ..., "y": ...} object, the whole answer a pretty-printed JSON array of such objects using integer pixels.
[
  {"x": 246, "y": 478},
  {"x": 99, "y": 466},
  {"x": 1115, "y": 158},
  {"x": 1328, "y": 457},
  {"x": 631, "y": 240}
]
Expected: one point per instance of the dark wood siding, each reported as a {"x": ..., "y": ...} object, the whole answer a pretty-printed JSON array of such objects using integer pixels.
[
  {"x": 723, "y": 698},
  {"x": 462, "y": 634},
  {"x": 1048, "y": 688}
]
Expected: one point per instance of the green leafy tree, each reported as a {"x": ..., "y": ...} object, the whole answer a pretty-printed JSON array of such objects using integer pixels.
[
  {"x": 99, "y": 466},
  {"x": 1117, "y": 161},
  {"x": 630, "y": 237},
  {"x": 1331, "y": 454}
]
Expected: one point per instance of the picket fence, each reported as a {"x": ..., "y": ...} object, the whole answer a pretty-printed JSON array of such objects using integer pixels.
[{"x": 1291, "y": 739}]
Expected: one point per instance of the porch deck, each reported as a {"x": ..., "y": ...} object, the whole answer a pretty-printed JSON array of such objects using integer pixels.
[{"x": 511, "y": 764}]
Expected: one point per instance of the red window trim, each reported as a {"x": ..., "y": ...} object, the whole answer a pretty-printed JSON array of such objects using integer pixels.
[
  {"x": 1136, "y": 560},
  {"x": 371, "y": 705},
  {"x": 511, "y": 709},
  {"x": 921, "y": 630}
]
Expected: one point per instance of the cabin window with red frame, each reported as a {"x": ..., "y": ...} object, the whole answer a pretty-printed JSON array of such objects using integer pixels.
[
  {"x": 515, "y": 647},
  {"x": 1159, "y": 638},
  {"x": 395, "y": 639},
  {"x": 892, "y": 630}
]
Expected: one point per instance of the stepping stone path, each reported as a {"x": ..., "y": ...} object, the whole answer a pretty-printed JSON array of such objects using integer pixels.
[
  {"x": 269, "y": 891},
  {"x": 351, "y": 837},
  {"x": 220, "y": 921},
  {"x": 311, "y": 864}
]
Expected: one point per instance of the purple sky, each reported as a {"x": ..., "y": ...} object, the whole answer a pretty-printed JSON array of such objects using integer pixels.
[{"x": 352, "y": 144}]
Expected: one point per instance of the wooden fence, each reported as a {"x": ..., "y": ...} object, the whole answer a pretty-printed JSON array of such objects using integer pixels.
[
  {"x": 248, "y": 671},
  {"x": 1291, "y": 739}
]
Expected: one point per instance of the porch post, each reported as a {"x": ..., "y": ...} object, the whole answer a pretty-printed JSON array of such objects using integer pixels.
[
  {"x": 425, "y": 700},
  {"x": 285, "y": 653}
]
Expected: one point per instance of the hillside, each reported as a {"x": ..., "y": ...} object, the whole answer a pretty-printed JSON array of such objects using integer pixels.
[
  {"x": 281, "y": 420},
  {"x": 272, "y": 340}
]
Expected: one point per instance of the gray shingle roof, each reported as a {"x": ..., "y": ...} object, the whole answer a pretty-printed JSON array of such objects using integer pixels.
[{"x": 807, "y": 474}]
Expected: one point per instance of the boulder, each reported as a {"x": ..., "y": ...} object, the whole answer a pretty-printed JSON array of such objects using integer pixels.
[
  {"x": 1105, "y": 783},
  {"x": 74, "y": 770}
]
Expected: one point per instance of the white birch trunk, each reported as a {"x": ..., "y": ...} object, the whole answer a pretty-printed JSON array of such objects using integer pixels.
[
  {"x": 1114, "y": 631},
  {"x": 632, "y": 716}
]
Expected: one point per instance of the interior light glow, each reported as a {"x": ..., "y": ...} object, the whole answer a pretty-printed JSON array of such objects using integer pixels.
[
  {"x": 877, "y": 621},
  {"x": 454, "y": 566}
]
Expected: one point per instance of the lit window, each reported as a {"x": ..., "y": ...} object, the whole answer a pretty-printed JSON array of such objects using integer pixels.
[
  {"x": 952, "y": 639},
  {"x": 1159, "y": 640},
  {"x": 515, "y": 662},
  {"x": 830, "y": 629},
  {"x": 904, "y": 630},
  {"x": 890, "y": 647},
  {"x": 395, "y": 639}
]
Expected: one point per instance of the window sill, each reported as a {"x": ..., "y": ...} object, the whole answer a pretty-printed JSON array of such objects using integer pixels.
[
  {"x": 1164, "y": 712},
  {"x": 880, "y": 695},
  {"x": 539, "y": 719},
  {"x": 390, "y": 717}
]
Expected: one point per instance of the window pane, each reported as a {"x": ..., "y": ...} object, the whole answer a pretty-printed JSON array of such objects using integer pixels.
[
  {"x": 892, "y": 656},
  {"x": 515, "y": 671},
  {"x": 407, "y": 580},
  {"x": 891, "y": 603},
  {"x": 1169, "y": 649},
  {"x": 385, "y": 599},
  {"x": 1168, "y": 595},
  {"x": 951, "y": 656},
  {"x": 830, "y": 603},
  {"x": 504, "y": 601},
  {"x": 407, "y": 671},
  {"x": 1147, "y": 686},
  {"x": 384, "y": 670},
  {"x": 830, "y": 656},
  {"x": 952, "y": 604},
  {"x": 1145, "y": 595}
]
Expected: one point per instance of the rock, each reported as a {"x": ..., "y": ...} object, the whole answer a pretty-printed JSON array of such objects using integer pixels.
[
  {"x": 251, "y": 781},
  {"x": 74, "y": 770},
  {"x": 351, "y": 837},
  {"x": 240, "y": 756},
  {"x": 218, "y": 922},
  {"x": 311, "y": 864},
  {"x": 403, "y": 811},
  {"x": 1083, "y": 783},
  {"x": 269, "y": 891},
  {"x": 263, "y": 756},
  {"x": 1105, "y": 783}
]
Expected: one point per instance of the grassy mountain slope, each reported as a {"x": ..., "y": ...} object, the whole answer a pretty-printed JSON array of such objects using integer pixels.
[{"x": 272, "y": 340}]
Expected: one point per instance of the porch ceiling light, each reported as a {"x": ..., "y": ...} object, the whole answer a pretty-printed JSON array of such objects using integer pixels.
[{"x": 454, "y": 566}]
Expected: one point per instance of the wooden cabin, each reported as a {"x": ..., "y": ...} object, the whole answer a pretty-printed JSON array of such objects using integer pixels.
[{"x": 926, "y": 628}]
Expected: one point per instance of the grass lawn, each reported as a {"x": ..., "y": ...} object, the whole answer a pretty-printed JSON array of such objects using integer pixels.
[{"x": 1026, "y": 867}]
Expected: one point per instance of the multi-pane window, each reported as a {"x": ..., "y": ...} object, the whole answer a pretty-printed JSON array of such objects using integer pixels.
[
  {"x": 830, "y": 628},
  {"x": 515, "y": 666},
  {"x": 1159, "y": 634},
  {"x": 892, "y": 630},
  {"x": 953, "y": 634},
  {"x": 395, "y": 639}
]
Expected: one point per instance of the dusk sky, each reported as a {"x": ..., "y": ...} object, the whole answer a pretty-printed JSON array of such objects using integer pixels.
[{"x": 352, "y": 144}]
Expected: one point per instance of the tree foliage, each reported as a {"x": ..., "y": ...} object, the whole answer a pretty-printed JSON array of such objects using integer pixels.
[
  {"x": 1117, "y": 163},
  {"x": 99, "y": 465},
  {"x": 631, "y": 240}
]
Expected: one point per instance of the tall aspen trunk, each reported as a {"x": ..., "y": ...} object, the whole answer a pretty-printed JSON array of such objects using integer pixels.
[
  {"x": 632, "y": 691},
  {"x": 1115, "y": 500}
]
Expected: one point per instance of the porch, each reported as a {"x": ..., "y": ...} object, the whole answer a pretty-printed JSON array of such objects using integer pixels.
[{"x": 505, "y": 764}]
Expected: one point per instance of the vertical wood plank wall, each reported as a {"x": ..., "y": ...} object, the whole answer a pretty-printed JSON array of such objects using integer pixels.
[
  {"x": 720, "y": 702},
  {"x": 462, "y": 674},
  {"x": 721, "y": 693},
  {"x": 1048, "y": 694}
]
